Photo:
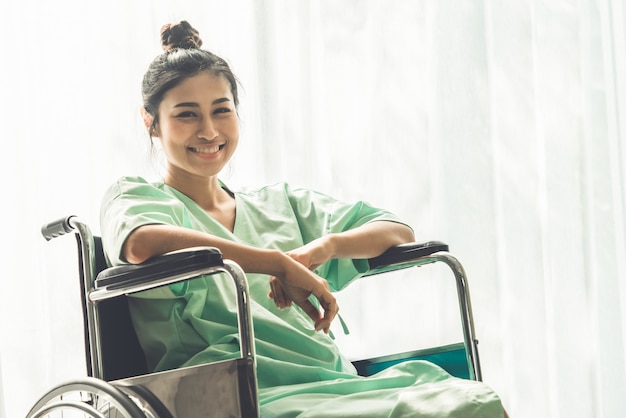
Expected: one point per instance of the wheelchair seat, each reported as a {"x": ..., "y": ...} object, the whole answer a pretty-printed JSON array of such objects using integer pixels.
[{"x": 117, "y": 377}]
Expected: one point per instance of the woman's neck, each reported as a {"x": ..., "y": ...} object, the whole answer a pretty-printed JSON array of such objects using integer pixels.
[{"x": 207, "y": 192}]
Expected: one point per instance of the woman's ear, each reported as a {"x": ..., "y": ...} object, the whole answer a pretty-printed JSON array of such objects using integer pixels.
[{"x": 147, "y": 120}]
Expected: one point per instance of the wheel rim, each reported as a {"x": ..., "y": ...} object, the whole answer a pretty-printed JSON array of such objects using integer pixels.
[{"x": 89, "y": 395}]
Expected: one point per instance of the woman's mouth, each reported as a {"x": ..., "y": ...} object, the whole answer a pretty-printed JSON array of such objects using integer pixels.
[{"x": 212, "y": 149}]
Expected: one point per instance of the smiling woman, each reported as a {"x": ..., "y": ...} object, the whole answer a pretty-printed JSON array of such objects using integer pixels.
[{"x": 295, "y": 245}]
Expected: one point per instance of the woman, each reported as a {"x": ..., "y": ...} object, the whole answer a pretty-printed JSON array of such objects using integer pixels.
[{"x": 292, "y": 243}]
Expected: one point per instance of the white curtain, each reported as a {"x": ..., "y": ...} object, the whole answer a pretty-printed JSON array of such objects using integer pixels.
[{"x": 497, "y": 127}]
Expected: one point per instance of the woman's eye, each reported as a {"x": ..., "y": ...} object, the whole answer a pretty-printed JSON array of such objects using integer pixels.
[
  {"x": 188, "y": 114},
  {"x": 222, "y": 110}
]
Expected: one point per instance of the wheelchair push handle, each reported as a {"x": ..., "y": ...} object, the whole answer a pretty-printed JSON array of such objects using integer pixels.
[{"x": 57, "y": 228}]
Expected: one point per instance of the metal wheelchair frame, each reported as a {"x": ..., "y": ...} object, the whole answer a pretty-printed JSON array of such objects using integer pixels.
[{"x": 185, "y": 392}]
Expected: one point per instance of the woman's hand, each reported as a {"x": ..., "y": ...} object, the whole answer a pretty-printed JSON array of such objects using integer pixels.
[
  {"x": 315, "y": 253},
  {"x": 296, "y": 285},
  {"x": 366, "y": 241},
  {"x": 311, "y": 256}
]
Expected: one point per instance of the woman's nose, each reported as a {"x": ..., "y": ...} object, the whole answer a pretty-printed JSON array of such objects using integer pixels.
[{"x": 207, "y": 129}]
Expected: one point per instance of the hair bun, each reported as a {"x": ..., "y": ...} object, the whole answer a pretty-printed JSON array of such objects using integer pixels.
[{"x": 179, "y": 35}]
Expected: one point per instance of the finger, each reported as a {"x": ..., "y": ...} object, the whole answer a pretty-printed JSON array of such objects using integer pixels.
[
  {"x": 278, "y": 294},
  {"x": 311, "y": 311},
  {"x": 285, "y": 300},
  {"x": 275, "y": 293},
  {"x": 331, "y": 308}
]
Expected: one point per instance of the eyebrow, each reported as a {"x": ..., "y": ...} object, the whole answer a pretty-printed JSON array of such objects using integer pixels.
[{"x": 194, "y": 104}]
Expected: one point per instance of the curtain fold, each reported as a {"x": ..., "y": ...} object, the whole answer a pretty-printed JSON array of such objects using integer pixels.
[{"x": 495, "y": 126}]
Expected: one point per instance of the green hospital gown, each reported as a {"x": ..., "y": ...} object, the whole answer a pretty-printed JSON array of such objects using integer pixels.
[{"x": 300, "y": 371}]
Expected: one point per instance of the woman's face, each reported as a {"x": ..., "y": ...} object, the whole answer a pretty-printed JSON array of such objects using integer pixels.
[{"x": 198, "y": 127}]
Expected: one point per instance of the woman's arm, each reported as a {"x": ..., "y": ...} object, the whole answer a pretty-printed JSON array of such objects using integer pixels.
[
  {"x": 369, "y": 240},
  {"x": 150, "y": 240},
  {"x": 366, "y": 241},
  {"x": 298, "y": 282}
]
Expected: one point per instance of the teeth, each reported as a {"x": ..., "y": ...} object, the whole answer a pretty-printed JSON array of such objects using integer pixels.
[{"x": 206, "y": 150}]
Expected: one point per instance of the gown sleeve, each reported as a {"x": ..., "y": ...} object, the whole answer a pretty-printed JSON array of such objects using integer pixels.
[{"x": 130, "y": 203}]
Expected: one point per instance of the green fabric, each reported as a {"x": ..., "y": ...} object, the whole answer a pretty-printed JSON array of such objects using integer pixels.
[{"x": 297, "y": 367}]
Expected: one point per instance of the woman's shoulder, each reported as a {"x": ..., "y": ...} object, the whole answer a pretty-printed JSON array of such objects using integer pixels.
[
  {"x": 129, "y": 185},
  {"x": 138, "y": 180},
  {"x": 285, "y": 194},
  {"x": 273, "y": 191},
  {"x": 279, "y": 187}
]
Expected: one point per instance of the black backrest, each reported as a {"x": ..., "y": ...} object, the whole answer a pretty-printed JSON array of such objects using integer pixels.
[{"x": 121, "y": 353}]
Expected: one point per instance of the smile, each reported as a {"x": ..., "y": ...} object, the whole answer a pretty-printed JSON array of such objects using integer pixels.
[{"x": 213, "y": 149}]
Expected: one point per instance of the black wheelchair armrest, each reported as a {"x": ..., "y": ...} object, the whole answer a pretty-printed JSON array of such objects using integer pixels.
[
  {"x": 172, "y": 264},
  {"x": 404, "y": 256}
]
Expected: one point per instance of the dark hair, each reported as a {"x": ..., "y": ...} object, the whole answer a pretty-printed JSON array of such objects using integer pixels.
[{"x": 182, "y": 58}]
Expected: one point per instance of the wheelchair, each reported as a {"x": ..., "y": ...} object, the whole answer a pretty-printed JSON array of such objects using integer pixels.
[{"x": 118, "y": 383}]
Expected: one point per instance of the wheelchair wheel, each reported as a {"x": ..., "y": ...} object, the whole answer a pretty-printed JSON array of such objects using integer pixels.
[{"x": 89, "y": 398}]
